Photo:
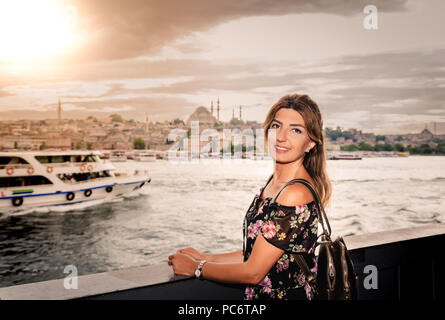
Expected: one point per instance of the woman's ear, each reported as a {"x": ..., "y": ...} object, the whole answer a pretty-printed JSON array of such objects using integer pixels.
[{"x": 311, "y": 145}]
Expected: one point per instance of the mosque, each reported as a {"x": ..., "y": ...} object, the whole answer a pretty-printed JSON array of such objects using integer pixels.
[{"x": 206, "y": 117}]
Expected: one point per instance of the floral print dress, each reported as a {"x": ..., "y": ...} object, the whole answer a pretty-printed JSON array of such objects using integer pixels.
[{"x": 292, "y": 229}]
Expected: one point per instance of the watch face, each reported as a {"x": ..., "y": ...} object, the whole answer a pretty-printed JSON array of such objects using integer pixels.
[{"x": 197, "y": 273}]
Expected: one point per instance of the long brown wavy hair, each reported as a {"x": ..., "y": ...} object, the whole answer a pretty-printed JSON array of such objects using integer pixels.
[{"x": 315, "y": 160}]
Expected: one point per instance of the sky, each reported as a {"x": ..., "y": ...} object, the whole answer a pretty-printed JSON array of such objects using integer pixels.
[{"x": 163, "y": 59}]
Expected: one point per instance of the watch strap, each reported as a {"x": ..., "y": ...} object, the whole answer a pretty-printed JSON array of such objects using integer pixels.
[{"x": 200, "y": 268}]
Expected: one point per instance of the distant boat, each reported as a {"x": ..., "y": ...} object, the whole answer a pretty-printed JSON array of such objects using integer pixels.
[
  {"x": 345, "y": 157},
  {"x": 403, "y": 154},
  {"x": 145, "y": 156},
  {"x": 118, "y": 156}
]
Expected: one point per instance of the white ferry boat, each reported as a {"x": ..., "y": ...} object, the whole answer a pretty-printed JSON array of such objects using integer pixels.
[{"x": 33, "y": 179}]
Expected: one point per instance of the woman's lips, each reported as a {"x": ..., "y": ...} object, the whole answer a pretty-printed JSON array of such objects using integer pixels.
[{"x": 281, "y": 149}]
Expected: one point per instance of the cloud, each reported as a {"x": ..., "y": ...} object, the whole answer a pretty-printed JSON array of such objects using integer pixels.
[
  {"x": 138, "y": 108},
  {"x": 400, "y": 91},
  {"x": 115, "y": 30},
  {"x": 363, "y": 89},
  {"x": 5, "y": 93}
]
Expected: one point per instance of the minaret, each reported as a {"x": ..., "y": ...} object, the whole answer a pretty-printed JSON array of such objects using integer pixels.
[
  {"x": 146, "y": 125},
  {"x": 217, "y": 109},
  {"x": 240, "y": 112},
  {"x": 59, "y": 111},
  {"x": 211, "y": 108},
  {"x": 233, "y": 113}
]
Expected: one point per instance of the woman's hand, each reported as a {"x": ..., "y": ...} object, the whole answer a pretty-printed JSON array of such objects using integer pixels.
[
  {"x": 195, "y": 254},
  {"x": 183, "y": 264}
]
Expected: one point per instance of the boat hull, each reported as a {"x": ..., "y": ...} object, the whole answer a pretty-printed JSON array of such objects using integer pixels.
[{"x": 76, "y": 194}]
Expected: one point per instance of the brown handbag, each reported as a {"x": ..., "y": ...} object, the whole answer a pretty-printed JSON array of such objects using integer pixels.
[{"x": 336, "y": 278}]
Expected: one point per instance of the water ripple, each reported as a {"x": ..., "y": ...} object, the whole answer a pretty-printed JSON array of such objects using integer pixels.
[{"x": 203, "y": 207}]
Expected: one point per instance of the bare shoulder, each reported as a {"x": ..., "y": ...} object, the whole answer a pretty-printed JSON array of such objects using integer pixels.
[{"x": 295, "y": 195}]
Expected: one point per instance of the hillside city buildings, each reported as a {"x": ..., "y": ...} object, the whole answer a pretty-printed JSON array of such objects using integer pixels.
[{"x": 115, "y": 133}]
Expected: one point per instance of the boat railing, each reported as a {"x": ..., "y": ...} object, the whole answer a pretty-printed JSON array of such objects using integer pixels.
[
  {"x": 121, "y": 174},
  {"x": 68, "y": 181},
  {"x": 55, "y": 165},
  {"x": 135, "y": 173},
  {"x": 140, "y": 172},
  {"x": 116, "y": 174},
  {"x": 68, "y": 164},
  {"x": 15, "y": 166}
]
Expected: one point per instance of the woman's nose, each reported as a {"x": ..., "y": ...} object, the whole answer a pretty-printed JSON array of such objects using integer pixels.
[{"x": 281, "y": 134}]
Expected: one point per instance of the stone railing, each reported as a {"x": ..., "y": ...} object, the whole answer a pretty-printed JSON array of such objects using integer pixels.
[{"x": 409, "y": 264}]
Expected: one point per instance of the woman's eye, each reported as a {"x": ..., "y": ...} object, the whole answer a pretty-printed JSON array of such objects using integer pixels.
[
  {"x": 297, "y": 130},
  {"x": 274, "y": 125}
]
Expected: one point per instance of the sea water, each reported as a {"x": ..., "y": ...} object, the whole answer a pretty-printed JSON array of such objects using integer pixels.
[{"x": 202, "y": 204}]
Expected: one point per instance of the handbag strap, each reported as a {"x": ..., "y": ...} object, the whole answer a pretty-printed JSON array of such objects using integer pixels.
[
  {"x": 325, "y": 235},
  {"x": 322, "y": 218},
  {"x": 307, "y": 273}
]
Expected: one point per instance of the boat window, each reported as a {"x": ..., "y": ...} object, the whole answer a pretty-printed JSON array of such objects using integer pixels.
[
  {"x": 24, "y": 181},
  {"x": 76, "y": 177},
  {"x": 67, "y": 158},
  {"x": 78, "y": 158},
  {"x": 83, "y": 158},
  {"x": 90, "y": 158},
  {"x": 43, "y": 159},
  {"x": 57, "y": 159},
  {"x": 5, "y": 161}
]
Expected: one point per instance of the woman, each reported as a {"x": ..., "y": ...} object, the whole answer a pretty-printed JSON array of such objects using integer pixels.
[{"x": 274, "y": 232}]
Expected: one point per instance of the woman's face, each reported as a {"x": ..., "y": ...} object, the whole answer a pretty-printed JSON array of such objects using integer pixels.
[{"x": 291, "y": 138}]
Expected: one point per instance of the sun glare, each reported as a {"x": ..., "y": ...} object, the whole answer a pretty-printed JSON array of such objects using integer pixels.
[{"x": 32, "y": 30}]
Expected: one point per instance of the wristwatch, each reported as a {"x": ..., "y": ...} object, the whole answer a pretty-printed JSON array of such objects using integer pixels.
[{"x": 198, "y": 271}]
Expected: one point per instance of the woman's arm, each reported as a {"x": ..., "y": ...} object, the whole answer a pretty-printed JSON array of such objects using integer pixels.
[
  {"x": 228, "y": 257},
  {"x": 264, "y": 256}
]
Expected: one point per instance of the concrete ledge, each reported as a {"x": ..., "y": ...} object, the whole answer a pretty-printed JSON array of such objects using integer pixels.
[
  {"x": 392, "y": 236},
  {"x": 92, "y": 284},
  {"x": 121, "y": 280}
]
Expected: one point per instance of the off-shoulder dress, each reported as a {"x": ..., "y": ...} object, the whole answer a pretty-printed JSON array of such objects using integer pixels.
[{"x": 290, "y": 228}]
